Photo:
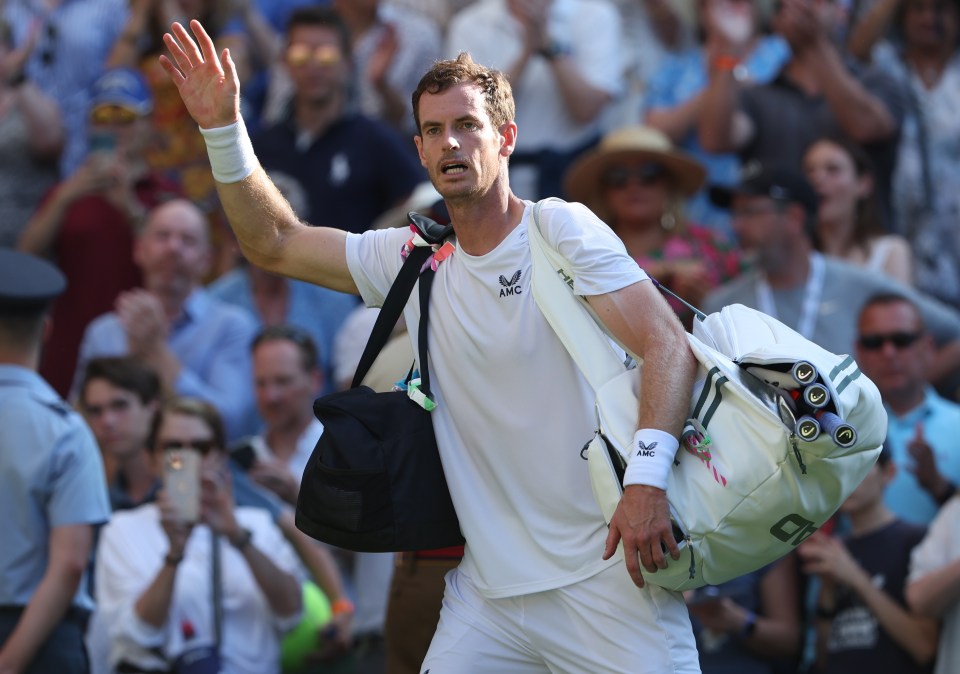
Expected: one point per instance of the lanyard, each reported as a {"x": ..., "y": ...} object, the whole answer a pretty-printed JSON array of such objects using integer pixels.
[{"x": 812, "y": 293}]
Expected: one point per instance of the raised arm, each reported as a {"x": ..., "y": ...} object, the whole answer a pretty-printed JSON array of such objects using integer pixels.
[
  {"x": 862, "y": 115},
  {"x": 642, "y": 321},
  {"x": 870, "y": 28},
  {"x": 270, "y": 234}
]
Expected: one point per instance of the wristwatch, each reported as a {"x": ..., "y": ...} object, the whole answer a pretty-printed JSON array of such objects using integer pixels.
[
  {"x": 554, "y": 49},
  {"x": 727, "y": 63},
  {"x": 242, "y": 539},
  {"x": 749, "y": 627},
  {"x": 17, "y": 78}
]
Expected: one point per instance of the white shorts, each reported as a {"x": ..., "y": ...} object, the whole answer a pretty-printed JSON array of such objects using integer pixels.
[{"x": 601, "y": 625}]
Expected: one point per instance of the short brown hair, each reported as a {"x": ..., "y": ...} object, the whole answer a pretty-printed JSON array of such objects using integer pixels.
[
  {"x": 189, "y": 407},
  {"x": 123, "y": 372},
  {"x": 449, "y": 73}
]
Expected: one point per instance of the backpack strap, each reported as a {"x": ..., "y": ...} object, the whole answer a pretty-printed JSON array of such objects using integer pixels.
[{"x": 417, "y": 263}]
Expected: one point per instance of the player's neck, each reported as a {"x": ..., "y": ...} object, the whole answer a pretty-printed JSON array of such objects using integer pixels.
[{"x": 481, "y": 224}]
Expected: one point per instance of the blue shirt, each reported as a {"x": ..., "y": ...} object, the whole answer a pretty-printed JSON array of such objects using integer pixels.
[
  {"x": 317, "y": 310},
  {"x": 51, "y": 475},
  {"x": 681, "y": 77},
  {"x": 941, "y": 422},
  {"x": 212, "y": 342},
  {"x": 353, "y": 172}
]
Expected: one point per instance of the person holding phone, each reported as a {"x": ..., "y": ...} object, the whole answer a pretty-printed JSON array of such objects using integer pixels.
[{"x": 192, "y": 577}]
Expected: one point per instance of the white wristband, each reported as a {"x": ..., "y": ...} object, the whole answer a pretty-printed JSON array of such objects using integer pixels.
[
  {"x": 230, "y": 152},
  {"x": 651, "y": 458}
]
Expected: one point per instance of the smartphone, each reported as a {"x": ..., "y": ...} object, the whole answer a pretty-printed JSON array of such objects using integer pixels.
[
  {"x": 103, "y": 141},
  {"x": 181, "y": 481}
]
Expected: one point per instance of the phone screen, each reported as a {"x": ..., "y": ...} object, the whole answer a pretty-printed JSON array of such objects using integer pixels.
[{"x": 103, "y": 141}]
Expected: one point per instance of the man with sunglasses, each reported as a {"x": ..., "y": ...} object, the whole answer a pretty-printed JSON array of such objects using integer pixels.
[
  {"x": 351, "y": 167},
  {"x": 895, "y": 351}
]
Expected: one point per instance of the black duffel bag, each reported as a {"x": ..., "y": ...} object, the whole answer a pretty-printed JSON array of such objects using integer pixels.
[{"x": 374, "y": 482}]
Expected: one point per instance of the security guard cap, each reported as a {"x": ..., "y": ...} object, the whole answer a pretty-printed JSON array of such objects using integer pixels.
[{"x": 27, "y": 283}]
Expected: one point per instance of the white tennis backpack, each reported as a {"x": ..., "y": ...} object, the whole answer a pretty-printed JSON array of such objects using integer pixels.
[{"x": 754, "y": 477}]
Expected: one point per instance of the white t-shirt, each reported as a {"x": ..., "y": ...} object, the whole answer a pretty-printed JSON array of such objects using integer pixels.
[
  {"x": 513, "y": 409},
  {"x": 130, "y": 554}
]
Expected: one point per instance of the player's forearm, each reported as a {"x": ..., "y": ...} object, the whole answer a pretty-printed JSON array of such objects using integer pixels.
[
  {"x": 669, "y": 368},
  {"x": 259, "y": 215}
]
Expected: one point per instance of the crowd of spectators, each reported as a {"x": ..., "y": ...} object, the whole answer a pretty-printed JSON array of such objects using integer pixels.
[{"x": 801, "y": 157}]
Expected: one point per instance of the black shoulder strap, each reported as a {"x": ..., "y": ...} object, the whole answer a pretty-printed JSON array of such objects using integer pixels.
[
  {"x": 396, "y": 299},
  {"x": 392, "y": 308}
]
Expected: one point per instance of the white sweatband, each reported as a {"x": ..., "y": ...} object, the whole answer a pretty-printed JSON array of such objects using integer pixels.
[
  {"x": 230, "y": 151},
  {"x": 651, "y": 458}
]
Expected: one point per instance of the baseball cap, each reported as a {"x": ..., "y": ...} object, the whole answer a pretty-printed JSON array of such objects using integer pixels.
[
  {"x": 27, "y": 283},
  {"x": 124, "y": 87},
  {"x": 781, "y": 183}
]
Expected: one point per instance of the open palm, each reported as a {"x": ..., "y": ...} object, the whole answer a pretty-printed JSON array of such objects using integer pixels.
[{"x": 208, "y": 84}]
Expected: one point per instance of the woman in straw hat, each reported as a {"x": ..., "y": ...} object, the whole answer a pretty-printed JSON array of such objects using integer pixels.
[{"x": 636, "y": 182}]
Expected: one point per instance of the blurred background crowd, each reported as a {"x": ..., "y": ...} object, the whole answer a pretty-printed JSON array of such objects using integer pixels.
[{"x": 798, "y": 156}]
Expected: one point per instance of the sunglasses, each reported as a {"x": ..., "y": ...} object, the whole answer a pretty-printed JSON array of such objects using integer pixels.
[
  {"x": 620, "y": 176},
  {"x": 112, "y": 114},
  {"x": 325, "y": 55},
  {"x": 203, "y": 445},
  {"x": 900, "y": 340}
]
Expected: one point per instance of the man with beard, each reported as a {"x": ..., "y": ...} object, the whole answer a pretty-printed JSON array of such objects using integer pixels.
[
  {"x": 353, "y": 168},
  {"x": 197, "y": 345},
  {"x": 542, "y": 586}
]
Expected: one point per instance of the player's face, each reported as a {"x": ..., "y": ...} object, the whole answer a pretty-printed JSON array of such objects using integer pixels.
[{"x": 458, "y": 144}]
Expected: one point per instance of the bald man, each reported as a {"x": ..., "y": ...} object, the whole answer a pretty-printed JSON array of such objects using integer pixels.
[{"x": 198, "y": 345}]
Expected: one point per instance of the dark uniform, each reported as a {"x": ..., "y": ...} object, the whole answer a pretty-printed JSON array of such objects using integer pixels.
[{"x": 51, "y": 473}]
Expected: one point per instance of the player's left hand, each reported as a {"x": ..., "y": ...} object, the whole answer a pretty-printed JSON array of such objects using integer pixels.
[{"x": 642, "y": 522}]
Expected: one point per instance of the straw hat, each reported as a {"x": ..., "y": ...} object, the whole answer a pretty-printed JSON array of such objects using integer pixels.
[{"x": 583, "y": 178}]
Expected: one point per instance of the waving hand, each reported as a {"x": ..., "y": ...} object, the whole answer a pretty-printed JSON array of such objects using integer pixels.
[{"x": 208, "y": 84}]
